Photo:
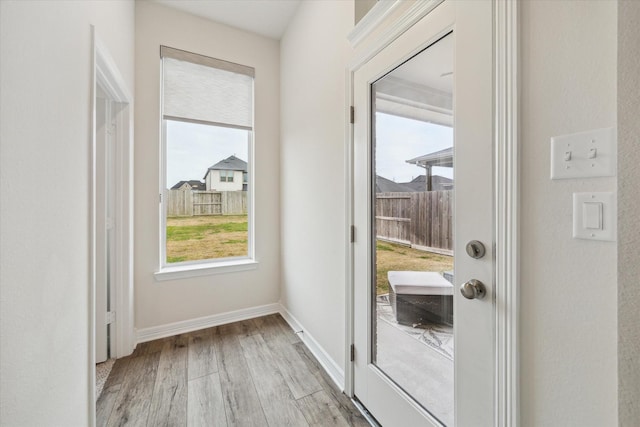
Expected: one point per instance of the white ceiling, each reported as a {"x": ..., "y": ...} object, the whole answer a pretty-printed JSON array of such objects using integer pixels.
[
  {"x": 266, "y": 17},
  {"x": 433, "y": 67}
]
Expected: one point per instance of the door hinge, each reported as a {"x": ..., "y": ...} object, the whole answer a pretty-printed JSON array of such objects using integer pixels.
[
  {"x": 160, "y": 197},
  {"x": 352, "y": 114},
  {"x": 352, "y": 234},
  {"x": 352, "y": 355},
  {"x": 110, "y": 318}
]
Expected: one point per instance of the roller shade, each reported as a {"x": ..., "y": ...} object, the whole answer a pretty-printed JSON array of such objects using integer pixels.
[{"x": 206, "y": 90}]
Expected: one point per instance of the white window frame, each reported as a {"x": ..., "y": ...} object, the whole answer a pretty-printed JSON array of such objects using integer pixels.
[
  {"x": 227, "y": 174},
  {"x": 186, "y": 269}
]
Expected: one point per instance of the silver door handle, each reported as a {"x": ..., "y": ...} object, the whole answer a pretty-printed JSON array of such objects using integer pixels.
[{"x": 473, "y": 289}]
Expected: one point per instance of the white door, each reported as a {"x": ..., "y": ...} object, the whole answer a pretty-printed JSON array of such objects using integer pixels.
[{"x": 423, "y": 189}]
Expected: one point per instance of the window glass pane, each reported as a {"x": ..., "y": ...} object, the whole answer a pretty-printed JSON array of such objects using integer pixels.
[{"x": 208, "y": 218}]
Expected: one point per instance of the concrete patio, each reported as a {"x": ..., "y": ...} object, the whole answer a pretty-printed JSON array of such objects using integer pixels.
[{"x": 418, "y": 359}]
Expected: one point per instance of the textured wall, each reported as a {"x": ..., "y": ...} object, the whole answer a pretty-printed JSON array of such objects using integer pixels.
[
  {"x": 568, "y": 287},
  {"x": 45, "y": 111},
  {"x": 628, "y": 218},
  {"x": 313, "y": 60}
]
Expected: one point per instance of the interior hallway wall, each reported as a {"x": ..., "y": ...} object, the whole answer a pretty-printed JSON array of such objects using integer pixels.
[
  {"x": 314, "y": 53},
  {"x": 45, "y": 116},
  {"x": 568, "y": 287},
  {"x": 160, "y": 303},
  {"x": 629, "y": 206}
]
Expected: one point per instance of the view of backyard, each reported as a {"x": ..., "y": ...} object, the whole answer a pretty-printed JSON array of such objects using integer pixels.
[
  {"x": 221, "y": 236},
  {"x": 395, "y": 257},
  {"x": 196, "y": 238}
]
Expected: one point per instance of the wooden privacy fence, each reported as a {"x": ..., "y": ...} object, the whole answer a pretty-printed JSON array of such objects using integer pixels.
[
  {"x": 422, "y": 220},
  {"x": 190, "y": 203}
]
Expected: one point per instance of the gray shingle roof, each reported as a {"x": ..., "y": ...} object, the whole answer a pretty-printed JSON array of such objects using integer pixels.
[
  {"x": 231, "y": 163},
  {"x": 195, "y": 185},
  {"x": 438, "y": 183},
  {"x": 384, "y": 185}
]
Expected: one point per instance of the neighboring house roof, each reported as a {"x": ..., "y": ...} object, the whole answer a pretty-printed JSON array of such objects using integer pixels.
[
  {"x": 231, "y": 163},
  {"x": 194, "y": 184},
  {"x": 438, "y": 183},
  {"x": 384, "y": 185}
]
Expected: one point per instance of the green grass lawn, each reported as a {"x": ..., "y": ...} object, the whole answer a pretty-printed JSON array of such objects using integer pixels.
[
  {"x": 206, "y": 237},
  {"x": 209, "y": 237},
  {"x": 394, "y": 257}
]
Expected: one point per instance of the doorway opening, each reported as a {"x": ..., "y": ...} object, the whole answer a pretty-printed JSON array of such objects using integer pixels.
[
  {"x": 106, "y": 139},
  {"x": 111, "y": 217}
]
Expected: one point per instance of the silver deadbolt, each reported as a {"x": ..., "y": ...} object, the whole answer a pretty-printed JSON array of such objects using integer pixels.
[
  {"x": 475, "y": 249},
  {"x": 473, "y": 289}
]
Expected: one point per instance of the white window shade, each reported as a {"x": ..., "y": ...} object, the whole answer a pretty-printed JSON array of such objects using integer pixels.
[{"x": 219, "y": 93}]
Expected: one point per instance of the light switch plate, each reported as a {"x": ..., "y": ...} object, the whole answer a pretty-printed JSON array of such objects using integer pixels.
[
  {"x": 584, "y": 155},
  {"x": 585, "y": 205}
]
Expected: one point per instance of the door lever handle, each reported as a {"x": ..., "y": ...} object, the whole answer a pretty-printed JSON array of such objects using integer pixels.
[{"x": 473, "y": 289}]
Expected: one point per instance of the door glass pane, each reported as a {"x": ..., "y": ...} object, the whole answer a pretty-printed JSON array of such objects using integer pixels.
[{"x": 412, "y": 200}]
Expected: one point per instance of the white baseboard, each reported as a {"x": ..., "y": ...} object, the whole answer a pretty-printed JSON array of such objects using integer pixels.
[
  {"x": 330, "y": 366},
  {"x": 171, "y": 329}
]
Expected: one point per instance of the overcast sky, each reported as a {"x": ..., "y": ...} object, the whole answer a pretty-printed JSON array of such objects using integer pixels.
[
  {"x": 193, "y": 148},
  {"x": 399, "y": 139}
]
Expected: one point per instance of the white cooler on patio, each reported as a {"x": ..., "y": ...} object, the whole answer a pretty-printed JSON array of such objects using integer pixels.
[{"x": 420, "y": 297}]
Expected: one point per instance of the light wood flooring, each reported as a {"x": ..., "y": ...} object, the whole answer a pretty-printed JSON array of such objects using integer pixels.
[{"x": 251, "y": 373}]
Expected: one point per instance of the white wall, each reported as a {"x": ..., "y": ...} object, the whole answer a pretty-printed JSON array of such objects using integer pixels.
[
  {"x": 629, "y": 220},
  {"x": 314, "y": 52},
  {"x": 568, "y": 287},
  {"x": 160, "y": 303},
  {"x": 213, "y": 182},
  {"x": 45, "y": 86}
]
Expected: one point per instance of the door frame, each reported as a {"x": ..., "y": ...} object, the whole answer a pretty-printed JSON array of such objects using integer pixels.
[
  {"x": 106, "y": 74},
  {"x": 506, "y": 193}
]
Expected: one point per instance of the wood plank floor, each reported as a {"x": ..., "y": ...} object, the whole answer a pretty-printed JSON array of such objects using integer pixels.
[{"x": 250, "y": 373}]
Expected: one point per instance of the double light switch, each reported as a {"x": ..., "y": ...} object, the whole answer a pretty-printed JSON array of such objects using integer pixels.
[{"x": 584, "y": 155}]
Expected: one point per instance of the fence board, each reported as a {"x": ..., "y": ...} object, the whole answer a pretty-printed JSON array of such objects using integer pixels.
[
  {"x": 420, "y": 219},
  {"x": 191, "y": 203}
]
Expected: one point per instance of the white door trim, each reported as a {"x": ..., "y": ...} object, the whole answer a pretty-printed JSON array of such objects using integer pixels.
[
  {"x": 105, "y": 72},
  {"x": 506, "y": 40},
  {"x": 507, "y": 208},
  {"x": 413, "y": 14}
]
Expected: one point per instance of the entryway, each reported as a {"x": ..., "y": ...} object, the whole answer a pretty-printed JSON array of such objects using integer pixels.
[
  {"x": 111, "y": 280},
  {"x": 426, "y": 341}
]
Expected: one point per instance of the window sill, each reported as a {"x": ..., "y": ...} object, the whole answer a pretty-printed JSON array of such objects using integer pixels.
[{"x": 198, "y": 270}]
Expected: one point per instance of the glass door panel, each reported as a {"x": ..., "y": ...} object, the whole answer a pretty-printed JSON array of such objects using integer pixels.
[{"x": 412, "y": 227}]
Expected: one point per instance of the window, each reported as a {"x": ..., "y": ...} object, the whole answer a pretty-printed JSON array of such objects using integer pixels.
[
  {"x": 207, "y": 118},
  {"x": 226, "y": 176}
]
